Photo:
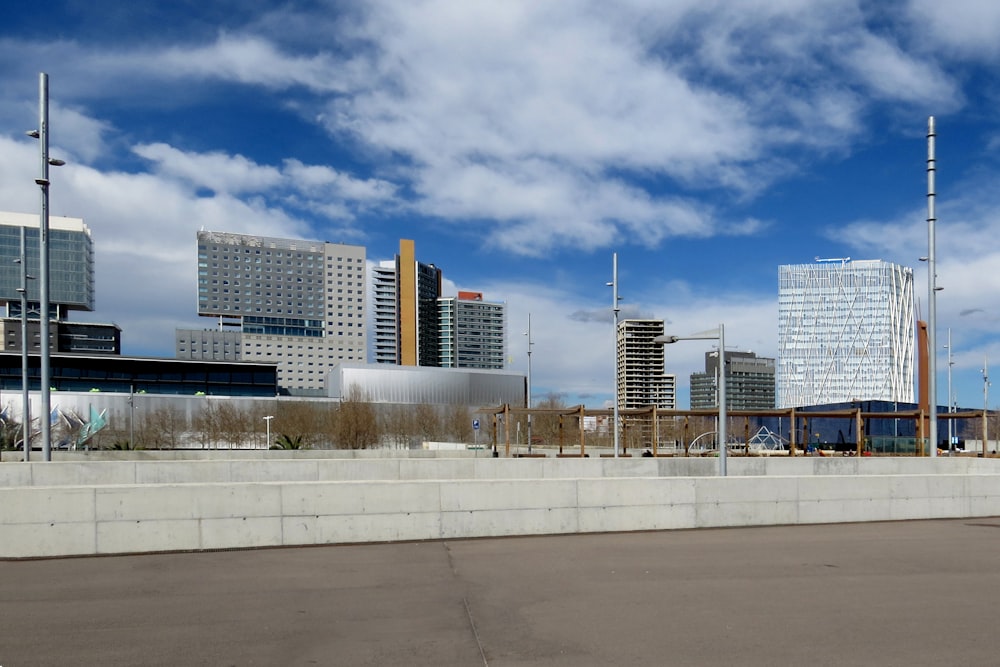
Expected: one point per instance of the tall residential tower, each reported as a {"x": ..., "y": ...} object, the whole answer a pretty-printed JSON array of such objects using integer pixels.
[
  {"x": 641, "y": 378},
  {"x": 404, "y": 320}
]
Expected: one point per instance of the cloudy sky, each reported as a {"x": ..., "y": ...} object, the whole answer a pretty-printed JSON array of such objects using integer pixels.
[{"x": 520, "y": 144}]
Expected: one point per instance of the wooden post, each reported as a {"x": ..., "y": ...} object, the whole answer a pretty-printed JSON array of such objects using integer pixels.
[
  {"x": 920, "y": 434},
  {"x": 656, "y": 431},
  {"x": 494, "y": 432},
  {"x": 560, "y": 434},
  {"x": 506, "y": 429},
  {"x": 687, "y": 445}
]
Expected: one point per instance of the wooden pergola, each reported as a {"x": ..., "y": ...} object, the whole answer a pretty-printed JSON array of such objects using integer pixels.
[{"x": 652, "y": 415}]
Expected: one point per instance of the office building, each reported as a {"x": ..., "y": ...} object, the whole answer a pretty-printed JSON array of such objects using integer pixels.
[
  {"x": 845, "y": 333},
  {"x": 299, "y": 304},
  {"x": 404, "y": 313},
  {"x": 472, "y": 332},
  {"x": 641, "y": 378},
  {"x": 749, "y": 382},
  {"x": 71, "y": 286}
]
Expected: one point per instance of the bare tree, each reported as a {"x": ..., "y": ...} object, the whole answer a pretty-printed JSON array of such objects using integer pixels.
[
  {"x": 356, "y": 426},
  {"x": 458, "y": 424},
  {"x": 426, "y": 422},
  {"x": 162, "y": 427},
  {"x": 545, "y": 426},
  {"x": 396, "y": 422}
]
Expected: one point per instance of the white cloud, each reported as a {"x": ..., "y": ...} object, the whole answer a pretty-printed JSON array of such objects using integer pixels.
[
  {"x": 968, "y": 28},
  {"x": 893, "y": 74},
  {"x": 143, "y": 227},
  {"x": 232, "y": 174}
]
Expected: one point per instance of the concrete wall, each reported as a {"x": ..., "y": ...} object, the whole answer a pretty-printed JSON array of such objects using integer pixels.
[
  {"x": 317, "y": 469},
  {"x": 44, "y": 521},
  {"x": 95, "y": 507}
]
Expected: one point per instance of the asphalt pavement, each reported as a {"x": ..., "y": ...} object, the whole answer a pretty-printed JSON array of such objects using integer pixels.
[{"x": 904, "y": 593}]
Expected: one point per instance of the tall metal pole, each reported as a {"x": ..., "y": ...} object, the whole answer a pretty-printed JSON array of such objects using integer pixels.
[
  {"x": 986, "y": 404},
  {"x": 951, "y": 403},
  {"x": 615, "y": 307},
  {"x": 43, "y": 264},
  {"x": 530, "y": 343},
  {"x": 931, "y": 290},
  {"x": 25, "y": 396},
  {"x": 723, "y": 454}
]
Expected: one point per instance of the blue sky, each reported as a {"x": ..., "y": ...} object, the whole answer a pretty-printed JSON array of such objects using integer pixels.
[{"x": 520, "y": 144}]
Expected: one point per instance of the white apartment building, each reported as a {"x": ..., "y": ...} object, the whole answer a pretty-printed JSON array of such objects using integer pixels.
[{"x": 846, "y": 332}]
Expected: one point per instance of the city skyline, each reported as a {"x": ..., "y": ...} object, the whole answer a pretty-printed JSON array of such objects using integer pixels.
[{"x": 520, "y": 145}]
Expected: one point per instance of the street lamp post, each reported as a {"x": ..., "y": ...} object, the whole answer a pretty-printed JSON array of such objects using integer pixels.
[
  {"x": 267, "y": 441},
  {"x": 720, "y": 335},
  {"x": 616, "y": 309},
  {"x": 42, "y": 134},
  {"x": 530, "y": 343},
  {"x": 932, "y": 289},
  {"x": 986, "y": 405}
]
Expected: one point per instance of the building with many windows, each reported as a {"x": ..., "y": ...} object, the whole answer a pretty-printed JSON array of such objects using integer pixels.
[
  {"x": 299, "y": 304},
  {"x": 472, "y": 332},
  {"x": 641, "y": 378},
  {"x": 71, "y": 286},
  {"x": 845, "y": 333},
  {"x": 749, "y": 382},
  {"x": 404, "y": 314}
]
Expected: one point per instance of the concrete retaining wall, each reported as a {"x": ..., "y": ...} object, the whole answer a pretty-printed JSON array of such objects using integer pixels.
[
  {"x": 45, "y": 521},
  {"x": 103, "y": 507},
  {"x": 57, "y": 473}
]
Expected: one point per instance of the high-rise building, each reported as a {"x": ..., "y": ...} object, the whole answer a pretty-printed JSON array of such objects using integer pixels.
[
  {"x": 404, "y": 318},
  {"x": 749, "y": 382},
  {"x": 472, "y": 332},
  {"x": 641, "y": 378},
  {"x": 70, "y": 283},
  {"x": 299, "y": 304},
  {"x": 845, "y": 332}
]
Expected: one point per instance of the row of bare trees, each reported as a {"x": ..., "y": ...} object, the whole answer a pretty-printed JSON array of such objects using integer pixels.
[{"x": 351, "y": 424}]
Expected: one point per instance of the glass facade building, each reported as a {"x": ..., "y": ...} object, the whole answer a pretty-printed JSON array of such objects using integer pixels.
[
  {"x": 749, "y": 382},
  {"x": 471, "y": 332},
  {"x": 71, "y": 264}
]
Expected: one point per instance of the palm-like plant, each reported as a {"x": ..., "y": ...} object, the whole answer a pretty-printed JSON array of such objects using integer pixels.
[{"x": 285, "y": 441}]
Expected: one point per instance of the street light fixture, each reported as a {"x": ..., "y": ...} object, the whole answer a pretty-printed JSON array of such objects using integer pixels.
[
  {"x": 720, "y": 335},
  {"x": 42, "y": 134},
  {"x": 617, "y": 309},
  {"x": 530, "y": 343},
  {"x": 267, "y": 441}
]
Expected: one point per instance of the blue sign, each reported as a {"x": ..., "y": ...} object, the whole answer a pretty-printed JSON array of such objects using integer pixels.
[{"x": 475, "y": 424}]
